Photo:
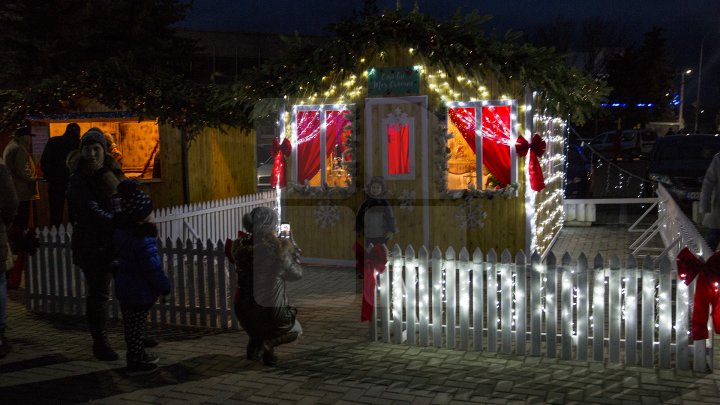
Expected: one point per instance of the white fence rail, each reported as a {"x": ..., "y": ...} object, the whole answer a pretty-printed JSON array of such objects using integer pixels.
[
  {"x": 203, "y": 283},
  {"x": 676, "y": 229},
  {"x": 638, "y": 315},
  {"x": 213, "y": 220}
]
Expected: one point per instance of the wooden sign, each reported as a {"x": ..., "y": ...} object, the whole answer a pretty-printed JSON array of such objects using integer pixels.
[{"x": 393, "y": 81}]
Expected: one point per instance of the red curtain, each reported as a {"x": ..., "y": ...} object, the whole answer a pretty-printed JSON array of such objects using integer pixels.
[
  {"x": 496, "y": 132},
  {"x": 398, "y": 149},
  {"x": 308, "y": 145},
  {"x": 335, "y": 132},
  {"x": 495, "y": 135},
  {"x": 464, "y": 121}
]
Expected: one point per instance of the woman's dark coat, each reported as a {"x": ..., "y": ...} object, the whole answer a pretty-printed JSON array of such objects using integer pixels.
[{"x": 90, "y": 200}]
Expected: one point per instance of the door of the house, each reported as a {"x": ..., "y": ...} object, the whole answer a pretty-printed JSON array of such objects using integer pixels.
[{"x": 397, "y": 149}]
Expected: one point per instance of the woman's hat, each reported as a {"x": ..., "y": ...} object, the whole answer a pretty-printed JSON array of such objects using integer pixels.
[{"x": 93, "y": 135}]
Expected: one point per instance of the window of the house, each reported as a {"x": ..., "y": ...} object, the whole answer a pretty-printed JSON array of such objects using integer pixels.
[
  {"x": 320, "y": 133},
  {"x": 398, "y": 146},
  {"x": 481, "y": 156}
]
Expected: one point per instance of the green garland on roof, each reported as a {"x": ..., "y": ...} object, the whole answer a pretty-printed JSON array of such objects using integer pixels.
[{"x": 459, "y": 43}]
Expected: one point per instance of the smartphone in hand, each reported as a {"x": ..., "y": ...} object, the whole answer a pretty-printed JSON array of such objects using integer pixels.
[{"x": 284, "y": 231}]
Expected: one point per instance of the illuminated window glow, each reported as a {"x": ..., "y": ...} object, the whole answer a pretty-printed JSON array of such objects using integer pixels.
[
  {"x": 489, "y": 166},
  {"x": 321, "y": 133}
]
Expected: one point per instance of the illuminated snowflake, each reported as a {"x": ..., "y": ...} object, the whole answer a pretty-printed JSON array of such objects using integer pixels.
[
  {"x": 470, "y": 215},
  {"x": 407, "y": 200},
  {"x": 326, "y": 214}
]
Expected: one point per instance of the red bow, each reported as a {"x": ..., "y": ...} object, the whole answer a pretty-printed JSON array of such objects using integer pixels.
[
  {"x": 706, "y": 290},
  {"x": 536, "y": 148},
  {"x": 374, "y": 261},
  {"x": 279, "y": 151}
]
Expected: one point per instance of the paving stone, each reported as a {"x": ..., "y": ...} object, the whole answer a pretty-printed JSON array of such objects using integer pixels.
[{"x": 332, "y": 363}]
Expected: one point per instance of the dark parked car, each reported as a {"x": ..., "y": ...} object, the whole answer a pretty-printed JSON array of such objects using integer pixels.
[
  {"x": 679, "y": 162},
  {"x": 577, "y": 173}
]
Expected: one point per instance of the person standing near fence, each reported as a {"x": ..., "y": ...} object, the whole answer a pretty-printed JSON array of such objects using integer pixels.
[
  {"x": 19, "y": 160},
  {"x": 139, "y": 279},
  {"x": 8, "y": 210},
  {"x": 55, "y": 170},
  {"x": 94, "y": 176},
  {"x": 374, "y": 222},
  {"x": 710, "y": 202},
  {"x": 264, "y": 262}
]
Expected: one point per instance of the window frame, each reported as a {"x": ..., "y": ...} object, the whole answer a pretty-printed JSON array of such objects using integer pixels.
[
  {"x": 478, "y": 105},
  {"x": 322, "y": 110}
]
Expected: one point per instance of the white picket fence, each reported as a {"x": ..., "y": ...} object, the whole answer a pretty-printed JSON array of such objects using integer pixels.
[
  {"x": 203, "y": 283},
  {"x": 209, "y": 220},
  {"x": 635, "y": 315}
]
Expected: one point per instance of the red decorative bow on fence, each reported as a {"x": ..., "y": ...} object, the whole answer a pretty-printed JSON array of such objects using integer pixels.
[
  {"x": 279, "y": 151},
  {"x": 706, "y": 290},
  {"x": 536, "y": 148},
  {"x": 374, "y": 261}
]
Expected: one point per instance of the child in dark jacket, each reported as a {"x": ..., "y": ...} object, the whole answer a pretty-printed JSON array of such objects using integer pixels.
[{"x": 140, "y": 279}]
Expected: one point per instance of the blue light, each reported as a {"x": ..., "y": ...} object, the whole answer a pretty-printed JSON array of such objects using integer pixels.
[{"x": 641, "y": 105}]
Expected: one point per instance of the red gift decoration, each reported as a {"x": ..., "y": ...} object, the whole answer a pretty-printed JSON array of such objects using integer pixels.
[
  {"x": 279, "y": 151},
  {"x": 706, "y": 290},
  {"x": 537, "y": 148},
  {"x": 374, "y": 261}
]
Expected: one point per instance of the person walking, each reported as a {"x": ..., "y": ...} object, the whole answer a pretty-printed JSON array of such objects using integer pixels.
[
  {"x": 19, "y": 160},
  {"x": 264, "y": 262},
  {"x": 139, "y": 279},
  {"x": 94, "y": 176},
  {"x": 710, "y": 202},
  {"x": 8, "y": 210},
  {"x": 55, "y": 170}
]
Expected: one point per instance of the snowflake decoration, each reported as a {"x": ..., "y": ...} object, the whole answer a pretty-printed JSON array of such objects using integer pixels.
[
  {"x": 326, "y": 214},
  {"x": 407, "y": 200},
  {"x": 470, "y": 215}
]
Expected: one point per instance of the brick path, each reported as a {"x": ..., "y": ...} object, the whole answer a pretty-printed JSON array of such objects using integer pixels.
[{"x": 333, "y": 362}]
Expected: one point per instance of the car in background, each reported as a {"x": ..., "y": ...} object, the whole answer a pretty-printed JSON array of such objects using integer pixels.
[
  {"x": 578, "y": 174},
  {"x": 264, "y": 168},
  {"x": 648, "y": 137},
  {"x": 679, "y": 163},
  {"x": 633, "y": 143}
]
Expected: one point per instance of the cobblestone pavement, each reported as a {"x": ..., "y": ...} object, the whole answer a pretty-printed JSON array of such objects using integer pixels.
[{"x": 334, "y": 362}]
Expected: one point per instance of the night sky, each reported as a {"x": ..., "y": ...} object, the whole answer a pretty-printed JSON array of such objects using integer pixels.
[{"x": 686, "y": 21}]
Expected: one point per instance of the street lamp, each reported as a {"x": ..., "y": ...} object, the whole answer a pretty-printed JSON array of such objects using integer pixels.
[
  {"x": 697, "y": 101},
  {"x": 681, "y": 121}
]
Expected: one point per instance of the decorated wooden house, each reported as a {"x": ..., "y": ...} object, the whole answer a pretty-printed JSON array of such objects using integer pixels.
[{"x": 437, "y": 112}]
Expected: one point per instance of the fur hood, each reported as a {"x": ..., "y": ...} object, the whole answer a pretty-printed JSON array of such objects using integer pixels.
[
  {"x": 105, "y": 180},
  {"x": 76, "y": 163}
]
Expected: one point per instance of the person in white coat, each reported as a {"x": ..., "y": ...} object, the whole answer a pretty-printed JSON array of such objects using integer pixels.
[{"x": 710, "y": 202}]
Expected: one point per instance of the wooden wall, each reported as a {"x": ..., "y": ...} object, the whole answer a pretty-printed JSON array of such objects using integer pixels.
[{"x": 221, "y": 164}]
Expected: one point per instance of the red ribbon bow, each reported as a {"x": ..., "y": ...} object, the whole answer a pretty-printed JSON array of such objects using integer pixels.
[
  {"x": 279, "y": 151},
  {"x": 706, "y": 290},
  {"x": 374, "y": 261},
  {"x": 537, "y": 148}
]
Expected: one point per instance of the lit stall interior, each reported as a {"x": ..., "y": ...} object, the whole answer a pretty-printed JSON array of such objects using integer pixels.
[{"x": 135, "y": 145}]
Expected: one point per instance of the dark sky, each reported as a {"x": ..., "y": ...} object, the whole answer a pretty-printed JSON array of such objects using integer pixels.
[{"x": 686, "y": 21}]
